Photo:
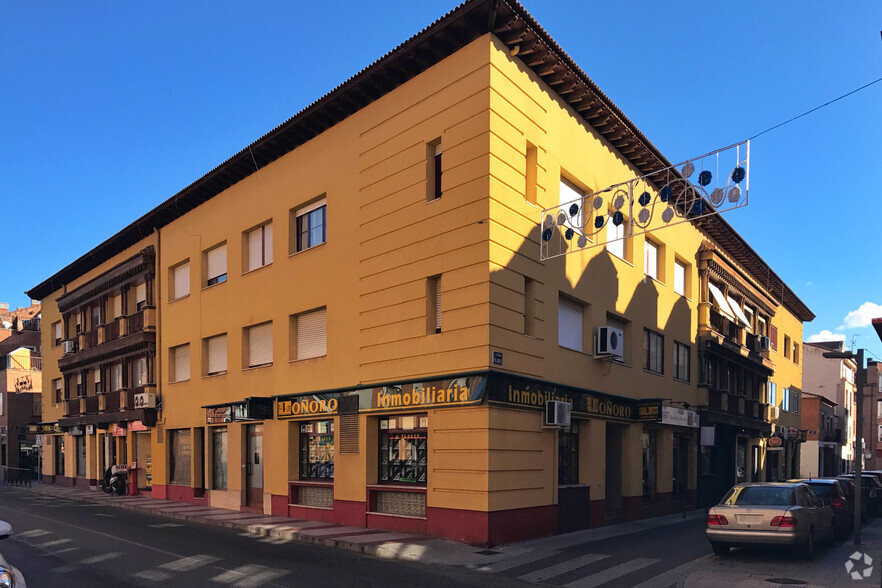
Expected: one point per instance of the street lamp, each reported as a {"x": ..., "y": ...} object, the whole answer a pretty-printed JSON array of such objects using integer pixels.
[{"x": 860, "y": 380}]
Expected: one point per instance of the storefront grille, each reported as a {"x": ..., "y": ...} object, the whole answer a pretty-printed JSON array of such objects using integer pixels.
[
  {"x": 408, "y": 504},
  {"x": 316, "y": 496}
]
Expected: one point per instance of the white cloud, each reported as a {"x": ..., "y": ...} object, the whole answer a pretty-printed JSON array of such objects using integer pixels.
[
  {"x": 809, "y": 283},
  {"x": 825, "y": 335},
  {"x": 862, "y": 317}
]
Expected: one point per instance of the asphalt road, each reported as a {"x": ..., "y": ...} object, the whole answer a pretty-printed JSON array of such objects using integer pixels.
[{"x": 75, "y": 544}]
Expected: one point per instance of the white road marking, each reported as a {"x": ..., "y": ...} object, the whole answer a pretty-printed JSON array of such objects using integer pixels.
[
  {"x": 101, "y": 557},
  {"x": 33, "y": 533},
  {"x": 54, "y": 543},
  {"x": 154, "y": 575},
  {"x": 166, "y": 525},
  {"x": 516, "y": 561},
  {"x": 186, "y": 564},
  {"x": 54, "y": 553},
  {"x": 562, "y": 567},
  {"x": 673, "y": 575},
  {"x": 261, "y": 578},
  {"x": 612, "y": 573},
  {"x": 240, "y": 573},
  {"x": 104, "y": 514},
  {"x": 64, "y": 569}
]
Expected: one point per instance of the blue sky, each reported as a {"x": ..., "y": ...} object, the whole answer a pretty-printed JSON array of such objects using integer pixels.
[{"x": 109, "y": 108}]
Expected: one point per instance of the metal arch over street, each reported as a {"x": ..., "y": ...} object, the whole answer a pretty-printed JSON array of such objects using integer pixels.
[{"x": 697, "y": 188}]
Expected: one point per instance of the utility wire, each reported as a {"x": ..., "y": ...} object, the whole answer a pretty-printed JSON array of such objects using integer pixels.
[{"x": 877, "y": 80}]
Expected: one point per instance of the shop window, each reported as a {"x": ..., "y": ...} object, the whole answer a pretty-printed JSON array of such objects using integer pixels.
[
  {"x": 654, "y": 348},
  {"x": 219, "y": 458},
  {"x": 310, "y": 226},
  {"x": 258, "y": 247},
  {"x": 215, "y": 263},
  {"x": 179, "y": 281},
  {"x": 569, "y": 323},
  {"x": 404, "y": 444},
  {"x": 433, "y": 170},
  {"x": 179, "y": 446},
  {"x": 81, "y": 456},
  {"x": 568, "y": 455},
  {"x": 317, "y": 450},
  {"x": 681, "y": 361},
  {"x": 59, "y": 455}
]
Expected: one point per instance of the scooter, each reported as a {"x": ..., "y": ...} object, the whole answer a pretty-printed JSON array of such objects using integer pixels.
[{"x": 115, "y": 478}]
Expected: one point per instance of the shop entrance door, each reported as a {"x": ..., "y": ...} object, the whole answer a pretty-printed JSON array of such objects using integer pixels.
[
  {"x": 254, "y": 466},
  {"x": 681, "y": 467},
  {"x": 59, "y": 455},
  {"x": 613, "y": 471},
  {"x": 143, "y": 459}
]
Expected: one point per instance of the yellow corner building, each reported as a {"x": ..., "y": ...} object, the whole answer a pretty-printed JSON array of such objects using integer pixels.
[{"x": 349, "y": 320}]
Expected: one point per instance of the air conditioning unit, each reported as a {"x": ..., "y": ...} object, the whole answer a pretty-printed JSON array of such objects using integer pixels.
[
  {"x": 774, "y": 413},
  {"x": 557, "y": 413},
  {"x": 70, "y": 346},
  {"x": 765, "y": 343},
  {"x": 145, "y": 400},
  {"x": 609, "y": 342}
]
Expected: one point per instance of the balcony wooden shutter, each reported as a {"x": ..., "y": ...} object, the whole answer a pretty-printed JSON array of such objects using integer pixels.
[
  {"x": 217, "y": 354},
  {"x": 260, "y": 345},
  {"x": 182, "y": 280},
  {"x": 773, "y": 336},
  {"x": 312, "y": 334},
  {"x": 217, "y": 262},
  {"x": 182, "y": 363}
]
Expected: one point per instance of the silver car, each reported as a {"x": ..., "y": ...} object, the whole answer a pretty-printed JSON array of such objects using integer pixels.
[
  {"x": 769, "y": 513},
  {"x": 9, "y": 576}
]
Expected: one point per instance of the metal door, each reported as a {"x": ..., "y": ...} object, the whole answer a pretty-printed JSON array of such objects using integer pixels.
[{"x": 254, "y": 465}]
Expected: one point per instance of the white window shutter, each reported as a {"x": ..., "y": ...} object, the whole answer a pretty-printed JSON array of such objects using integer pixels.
[
  {"x": 58, "y": 330},
  {"x": 268, "y": 243},
  {"x": 679, "y": 278},
  {"x": 217, "y": 261},
  {"x": 650, "y": 259},
  {"x": 616, "y": 247},
  {"x": 96, "y": 374},
  {"x": 141, "y": 292},
  {"x": 569, "y": 324},
  {"x": 255, "y": 248},
  {"x": 312, "y": 334},
  {"x": 217, "y": 354},
  {"x": 569, "y": 194},
  {"x": 182, "y": 363},
  {"x": 260, "y": 345},
  {"x": 182, "y": 280}
]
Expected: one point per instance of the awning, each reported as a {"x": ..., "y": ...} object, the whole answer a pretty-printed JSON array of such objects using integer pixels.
[
  {"x": 742, "y": 318},
  {"x": 720, "y": 303},
  {"x": 250, "y": 409}
]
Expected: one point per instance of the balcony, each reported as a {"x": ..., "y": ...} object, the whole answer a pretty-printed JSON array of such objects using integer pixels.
[
  {"x": 112, "y": 407},
  {"x": 122, "y": 335},
  {"x": 720, "y": 401},
  {"x": 25, "y": 364}
]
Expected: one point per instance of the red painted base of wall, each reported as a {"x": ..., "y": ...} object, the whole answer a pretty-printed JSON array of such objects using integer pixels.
[
  {"x": 179, "y": 493},
  {"x": 64, "y": 481},
  {"x": 492, "y": 528},
  {"x": 278, "y": 505},
  {"x": 597, "y": 513},
  {"x": 632, "y": 507},
  {"x": 669, "y": 505},
  {"x": 84, "y": 482},
  {"x": 350, "y": 512},
  {"x": 413, "y": 525}
]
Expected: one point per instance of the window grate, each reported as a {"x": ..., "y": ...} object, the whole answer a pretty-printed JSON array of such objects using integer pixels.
[{"x": 349, "y": 433}]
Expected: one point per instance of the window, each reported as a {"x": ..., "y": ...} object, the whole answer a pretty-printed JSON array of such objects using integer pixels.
[
  {"x": 796, "y": 353},
  {"x": 81, "y": 389},
  {"x": 679, "y": 277},
  {"x": 259, "y": 244},
  {"x": 96, "y": 378},
  {"x": 116, "y": 305},
  {"x": 179, "y": 442},
  {"x": 530, "y": 177},
  {"x": 569, "y": 323},
  {"x": 762, "y": 328},
  {"x": 81, "y": 456},
  {"x": 785, "y": 399},
  {"x": 681, "y": 361},
  {"x": 140, "y": 296},
  {"x": 568, "y": 454},
  {"x": 311, "y": 226},
  {"x": 259, "y": 342},
  {"x": 529, "y": 307},
  {"x": 310, "y": 334},
  {"x": 433, "y": 305},
  {"x": 115, "y": 377},
  {"x": 794, "y": 402},
  {"x": 139, "y": 372},
  {"x": 654, "y": 348},
  {"x": 317, "y": 450},
  {"x": 404, "y": 449},
  {"x": 56, "y": 334},
  {"x": 433, "y": 170},
  {"x": 215, "y": 353},
  {"x": 180, "y": 363},
  {"x": 216, "y": 265},
  {"x": 650, "y": 259},
  {"x": 180, "y": 281},
  {"x": 787, "y": 347},
  {"x": 569, "y": 195},
  {"x": 59, "y": 392},
  {"x": 79, "y": 323},
  {"x": 219, "y": 458},
  {"x": 615, "y": 237},
  {"x": 95, "y": 312}
]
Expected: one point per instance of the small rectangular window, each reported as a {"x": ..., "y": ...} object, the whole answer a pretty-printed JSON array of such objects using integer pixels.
[
  {"x": 433, "y": 305},
  {"x": 59, "y": 393},
  {"x": 787, "y": 347},
  {"x": 216, "y": 355},
  {"x": 56, "y": 333},
  {"x": 529, "y": 307},
  {"x": 180, "y": 281},
  {"x": 139, "y": 372},
  {"x": 259, "y": 340},
  {"x": 569, "y": 323},
  {"x": 650, "y": 259},
  {"x": 433, "y": 170},
  {"x": 96, "y": 380},
  {"x": 216, "y": 265},
  {"x": 140, "y": 296},
  {"x": 531, "y": 175},
  {"x": 116, "y": 377},
  {"x": 311, "y": 225},
  {"x": 785, "y": 399},
  {"x": 259, "y": 244},
  {"x": 569, "y": 195},
  {"x": 680, "y": 277},
  {"x": 180, "y": 363},
  {"x": 654, "y": 348},
  {"x": 310, "y": 334},
  {"x": 681, "y": 361},
  {"x": 796, "y": 353},
  {"x": 616, "y": 235},
  {"x": 773, "y": 394}
]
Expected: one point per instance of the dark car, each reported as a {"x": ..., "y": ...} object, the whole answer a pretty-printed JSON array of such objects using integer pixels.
[
  {"x": 871, "y": 492},
  {"x": 9, "y": 576},
  {"x": 848, "y": 486},
  {"x": 831, "y": 493}
]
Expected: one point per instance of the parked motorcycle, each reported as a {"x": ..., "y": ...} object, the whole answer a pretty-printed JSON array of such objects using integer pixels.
[{"x": 115, "y": 480}]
